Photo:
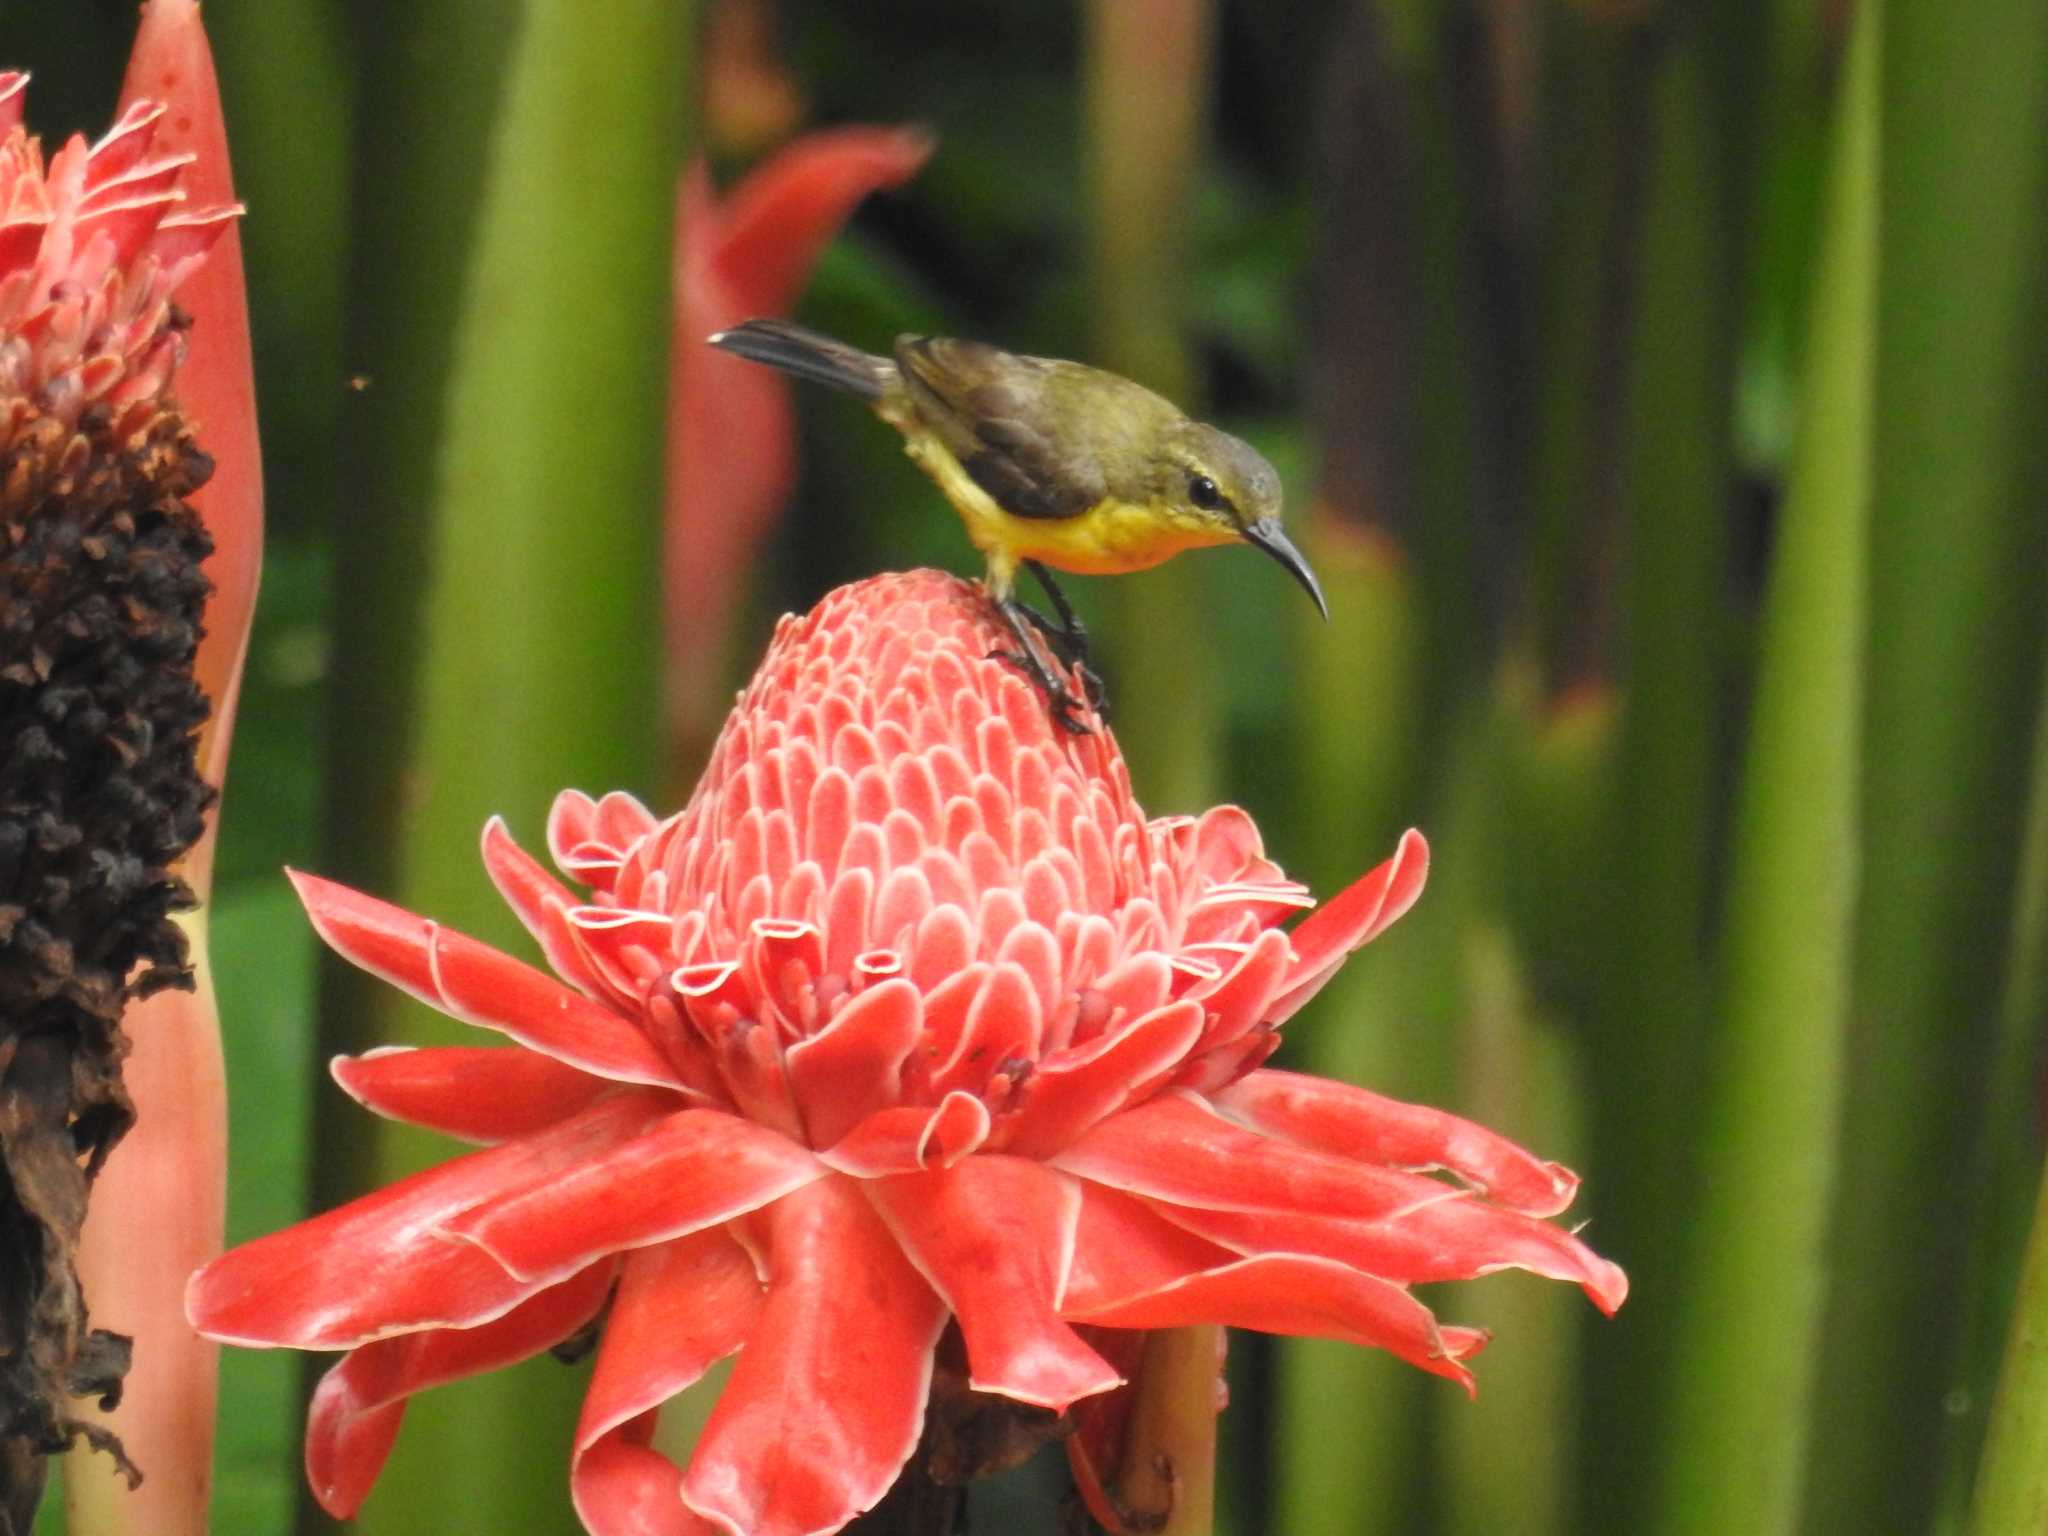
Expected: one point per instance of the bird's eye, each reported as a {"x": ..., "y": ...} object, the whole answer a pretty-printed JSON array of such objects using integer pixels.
[{"x": 1203, "y": 492}]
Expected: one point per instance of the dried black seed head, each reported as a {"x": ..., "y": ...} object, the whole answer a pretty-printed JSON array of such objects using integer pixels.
[{"x": 100, "y": 603}]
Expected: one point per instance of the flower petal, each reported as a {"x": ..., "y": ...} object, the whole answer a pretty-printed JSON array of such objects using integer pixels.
[
  {"x": 479, "y": 1093},
  {"x": 1241, "y": 999},
  {"x": 172, "y": 68},
  {"x": 358, "y": 1405},
  {"x": 1122, "y": 1249},
  {"x": 680, "y": 1306},
  {"x": 911, "y": 1137},
  {"x": 854, "y": 1065},
  {"x": 537, "y": 899},
  {"x": 995, "y": 1235},
  {"x": 1077, "y": 1088},
  {"x": 1350, "y": 919},
  {"x": 1450, "y": 1240},
  {"x": 382, "y": 1265},
  {"x": 827, "y": 1400},
  {"x": 479, "y": 985},
  {"x": 1175, "y": 1148},
  {"x": 686, "y": 1171},
  {"x": 1352, "y": 1122},
  {"x": 622, "y": 1486},
  {"x": 1001, "y": 1028},
  {"x": 770, "y": 232},
  {"x": 1302, "y": 1297}
]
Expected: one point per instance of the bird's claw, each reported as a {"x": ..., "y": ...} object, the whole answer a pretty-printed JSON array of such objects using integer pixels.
[
  {"x": 1066, "y": 710},
  {"x": 1067, "y": 638}
]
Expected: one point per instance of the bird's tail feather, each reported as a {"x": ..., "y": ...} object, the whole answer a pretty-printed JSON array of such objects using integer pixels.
[{"x": 808, "y": 355}]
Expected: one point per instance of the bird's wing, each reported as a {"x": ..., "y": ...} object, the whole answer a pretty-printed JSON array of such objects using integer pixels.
[{"x": 994, "y": 413}]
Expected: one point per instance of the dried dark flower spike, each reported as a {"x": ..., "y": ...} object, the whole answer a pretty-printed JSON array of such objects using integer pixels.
[{"x": 101, "y": 597}]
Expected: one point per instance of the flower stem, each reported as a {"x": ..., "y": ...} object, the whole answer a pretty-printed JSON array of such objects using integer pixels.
[
  {"x": 1169, "y": 1464},
  {"x": 2012, "y": 1484},
  {"x": 1147, "y": 77},
  {"x": 1956, "y": 587},
  {"x": 2012, "y": 1478},
  {"x": 1736, "y": 1444}
]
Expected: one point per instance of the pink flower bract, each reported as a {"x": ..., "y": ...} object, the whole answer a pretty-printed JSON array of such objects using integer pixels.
[
  {"x": 910, "y": 1014},
  {"x": 92, "y": 246}
]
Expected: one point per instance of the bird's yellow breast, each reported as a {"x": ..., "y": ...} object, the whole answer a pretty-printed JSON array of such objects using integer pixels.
[{"x": 1111, "y": 537}]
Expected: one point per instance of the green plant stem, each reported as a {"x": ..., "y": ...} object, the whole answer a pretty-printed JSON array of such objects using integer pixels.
[
  {"x": 1651, "y": 978},
  {"x": 1357, "y": 706},
  {"x": 2012, "y": 1479},
  {"x": 1147, "y": 79},
  {"x": 1169, "y": 1461},
  {"x": 1959, "y": 573},
  {"x": 1750, "y": 1345}
]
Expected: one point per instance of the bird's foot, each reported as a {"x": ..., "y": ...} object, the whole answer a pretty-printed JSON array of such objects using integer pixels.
[
  {"x": 1069, "y": 643},
  {"x": 1066, "y": 635},
  {"x": 1071, "y": 713},
  {"x": 1068, "y": 712}
]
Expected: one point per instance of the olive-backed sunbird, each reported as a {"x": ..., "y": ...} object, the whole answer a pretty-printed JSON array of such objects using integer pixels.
[{"x": 1049, "y": 463}]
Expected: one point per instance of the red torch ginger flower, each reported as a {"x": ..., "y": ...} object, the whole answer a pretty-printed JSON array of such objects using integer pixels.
[{"x": 909, "y": 1015}]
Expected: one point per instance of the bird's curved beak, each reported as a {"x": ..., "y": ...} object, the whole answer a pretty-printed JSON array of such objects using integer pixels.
[{"x": 1267, "y": 534}]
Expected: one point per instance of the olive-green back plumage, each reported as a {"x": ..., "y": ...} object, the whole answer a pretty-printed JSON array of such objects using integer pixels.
[{"x": 1048, "y": 461}]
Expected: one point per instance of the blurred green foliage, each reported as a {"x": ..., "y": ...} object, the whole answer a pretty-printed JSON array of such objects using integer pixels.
[{"x": 1526, "y": 300}]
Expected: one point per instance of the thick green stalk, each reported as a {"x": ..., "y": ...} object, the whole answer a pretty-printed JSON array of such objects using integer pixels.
[
  {"x": 1357, "y": 706},
  {"x": 1785, "y": 172},
  {"x": 287, "y": 74},
  {"x": 2005, "y": 1173},
  {"x": 2012, "y": 1480},
  {"x": 1583, "y": 280},
  {"x": 2012, "y": 1485},
  {"x": 433, "y": 71},
  {"x": 1749, "y": 1350},
  {"x": 534, "y": 667},
  {"x": 1959, "y": 570},
  {"x": 1148, "y": 81},
  {"x": 1651, "y": 979}
]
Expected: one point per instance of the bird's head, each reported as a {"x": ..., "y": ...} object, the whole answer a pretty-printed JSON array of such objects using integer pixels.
[{"x": 1219, "y": 489}]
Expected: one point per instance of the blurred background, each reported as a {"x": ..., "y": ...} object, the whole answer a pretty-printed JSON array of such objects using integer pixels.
[{"x": 1660, "y": 391}]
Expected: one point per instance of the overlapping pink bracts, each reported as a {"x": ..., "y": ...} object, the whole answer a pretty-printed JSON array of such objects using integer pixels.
[
  {"x": 910, "y": 1014},
  {"x": 92, "y": 246}
]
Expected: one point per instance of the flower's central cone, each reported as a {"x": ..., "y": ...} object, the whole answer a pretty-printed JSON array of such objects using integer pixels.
[{"x": 900, "y": 884}]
